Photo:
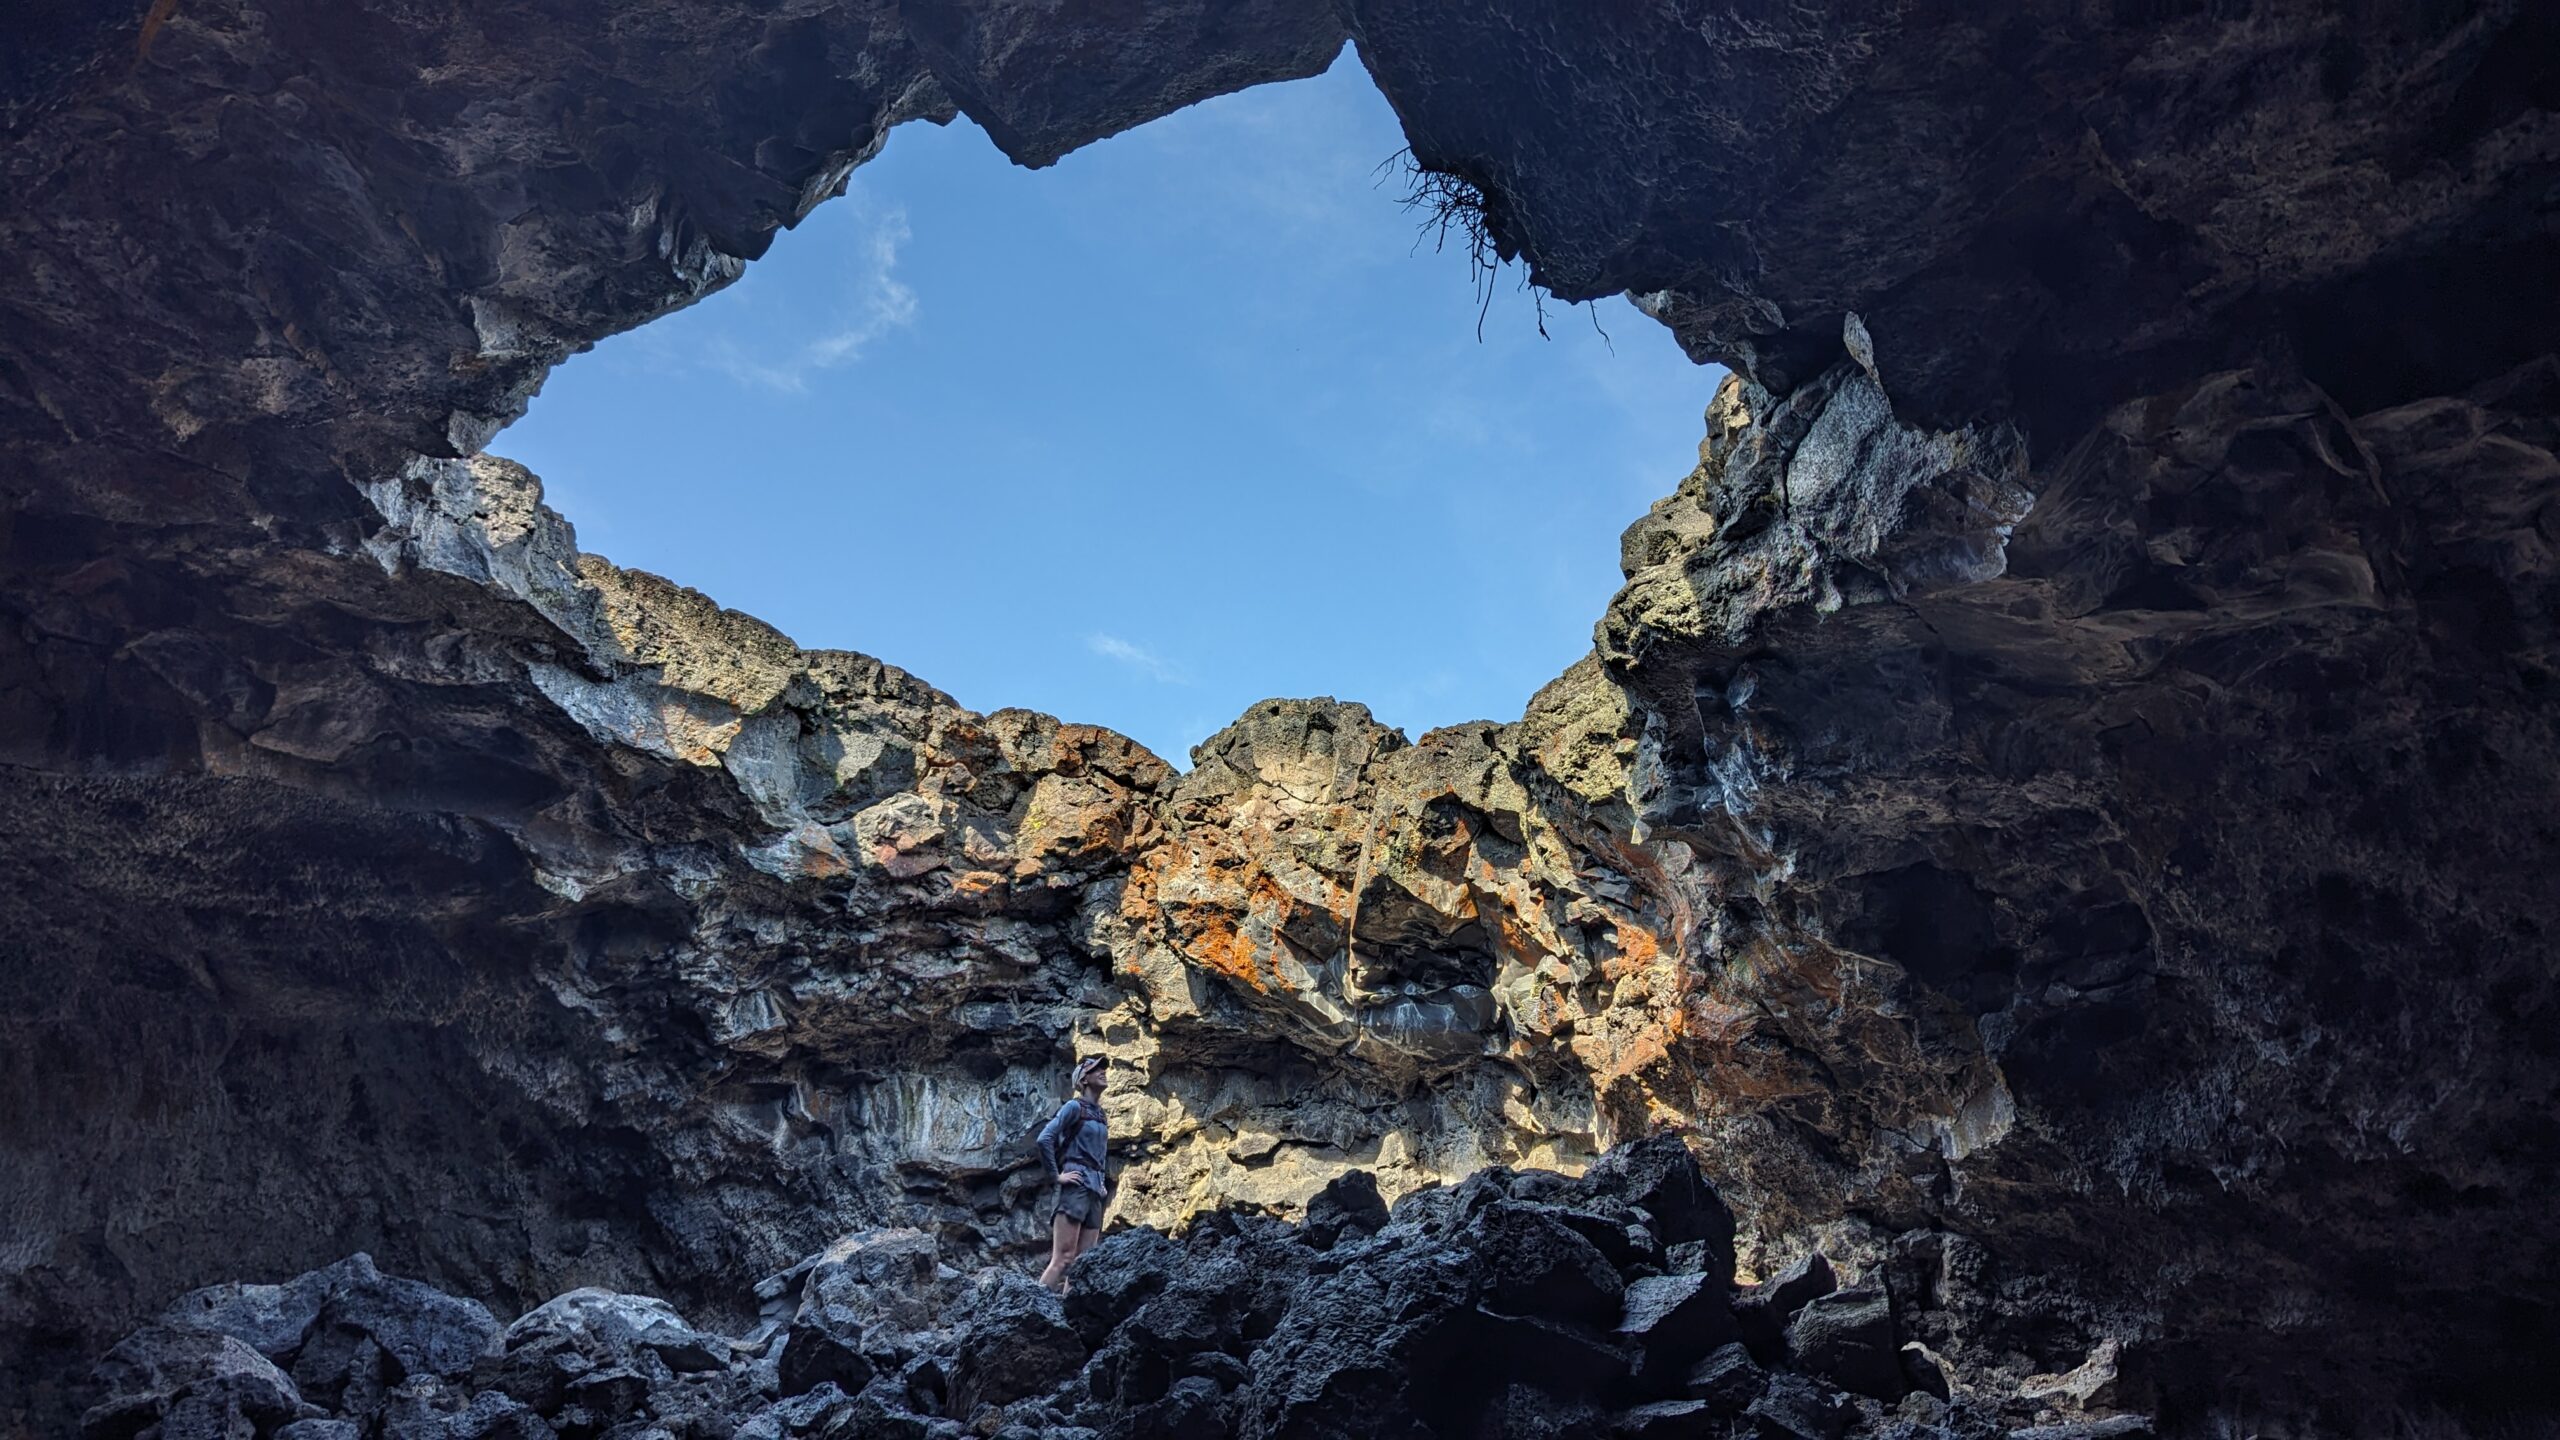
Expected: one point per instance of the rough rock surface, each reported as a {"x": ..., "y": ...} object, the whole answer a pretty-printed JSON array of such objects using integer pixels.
[
  {"x": 2058, "y": 817},
  {"x": 2036, "y": 211},
  {"x": 1447, "y": 1319}
]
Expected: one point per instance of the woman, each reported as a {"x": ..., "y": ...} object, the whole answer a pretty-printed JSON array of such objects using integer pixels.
[{"x": 1073, "y": 1143}]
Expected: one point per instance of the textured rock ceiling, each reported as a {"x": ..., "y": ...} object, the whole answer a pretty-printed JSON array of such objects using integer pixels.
[{"x": 2060, "y": 814}]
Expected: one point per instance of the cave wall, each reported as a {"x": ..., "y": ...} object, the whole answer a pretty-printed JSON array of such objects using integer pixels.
[{"x": 2059, "y": 815}]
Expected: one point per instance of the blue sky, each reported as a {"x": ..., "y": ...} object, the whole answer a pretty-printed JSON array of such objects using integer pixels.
[{"x": 1185, "y": 421}]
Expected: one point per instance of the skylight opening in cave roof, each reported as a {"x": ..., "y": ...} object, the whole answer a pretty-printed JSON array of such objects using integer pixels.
[{"x": 1195, "y": 417}]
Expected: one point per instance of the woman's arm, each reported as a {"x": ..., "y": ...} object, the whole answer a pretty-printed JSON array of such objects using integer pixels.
[{"x": 1054, "y": 1134}]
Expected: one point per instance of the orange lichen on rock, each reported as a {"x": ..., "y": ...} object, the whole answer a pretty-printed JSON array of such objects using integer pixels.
[{"x": 1219, "y": 945}]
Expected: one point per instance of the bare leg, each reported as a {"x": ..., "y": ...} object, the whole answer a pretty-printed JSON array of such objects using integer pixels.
[
  {"x": 1086, "y": 1237},
  {"x": 1064, "y": 1238}
]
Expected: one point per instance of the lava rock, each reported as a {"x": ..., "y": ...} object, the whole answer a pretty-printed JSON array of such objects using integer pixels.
[
  {"x": 1622, "y": 1234},
  {"x": 593, "y": 1346},
  {"x": 1015, "y": 1341},
  {"x": 1665, "y": 1420},
  {"x": 1225, "y": 1371},
  {"x": 486, "y": 1416},
  {"x": 797, "y": 1415},
  {"x": 1764, "y": 1311},
  {"x": 1728, "y": 1380},
  {"x": 1531, "y": 1412},
  {"x": 1923, "y": 1371},
  {"x": 1792, "y": 1407},
  {"x": 619, "y": 1323},
  {"x": 1673, "y": 1320},
  {"x": 1660, "y": 1176},
  {"x": 272, "y": 1319},
  {"x": 2112, "y": 1427},
  {"x": 1847, "y": 1337},
  {"x": 1552, "y": 1354},
  {"x": 1117, "y": 1276},
  {"x": 1800, "y": 1284},
  {"x": 1375, "y": 1348},
  {"x": 1191, "y": 1409},
  {"x": 1349, "y": 1204},
  {"x": 874, "y": 1283},
  {"x": 1536, "y": 1265},
  {"x": 374, "y": 1331},
  {"x": 190, "y": 1383},
  {"x": 822, "y": 1348}
]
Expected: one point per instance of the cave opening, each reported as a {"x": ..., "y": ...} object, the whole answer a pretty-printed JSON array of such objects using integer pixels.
[{"x": 1204, "y": 413}]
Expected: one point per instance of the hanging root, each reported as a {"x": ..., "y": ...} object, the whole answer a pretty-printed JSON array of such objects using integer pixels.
[{"x": 1453, "y": 208}]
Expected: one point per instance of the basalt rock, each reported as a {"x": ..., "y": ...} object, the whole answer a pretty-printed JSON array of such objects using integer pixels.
[
  {"x": 1245, "y": 1326},
  {"x": 2032, "y": 213},
  {"x": 2056, "y": 819}
]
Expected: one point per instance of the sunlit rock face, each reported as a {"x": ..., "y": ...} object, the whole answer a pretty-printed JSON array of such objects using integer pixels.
[{"x": 2058, "y": 817}]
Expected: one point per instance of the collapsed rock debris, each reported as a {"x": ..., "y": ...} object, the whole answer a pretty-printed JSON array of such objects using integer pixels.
[{"x": 1511, "y": 1304}]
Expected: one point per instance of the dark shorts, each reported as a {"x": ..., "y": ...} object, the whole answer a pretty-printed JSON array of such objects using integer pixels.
[{"x": 1080, "y": 1205}]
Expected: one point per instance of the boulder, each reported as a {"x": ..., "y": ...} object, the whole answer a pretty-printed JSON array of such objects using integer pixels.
[
  {"x": 1672, "y": 1321},
  {"x": 189, "y": 1383},
  {"x": 1536, "y": 1265},
  {"x": 1349, "y": 1205},
  {"x": 374, "y": 1331},
  {"x": 1377, "y": 1348},
  {"x": 604, "y": 1398},
  {"x": 1015, "y": 1342},
  {"x": 1797, "y": 1286},
  {"x": 1847, "y": 1337},
  {"x": 1117, "y": 1276},
  {"x": 888, "y": 1279},
  {"x": 1795, "y": 1408},
  {"x": 796, "y": 1415},
  {"x": 1550, "y": 1354},
  {"x": 1660, "y": 1176},
  {"x": 1924, "y": 1371},
  {"x": 606, "y": 1324},
  {"x": 1764, "y": 1310},
  {"x": 1191, "y": 1409},
  {"x": 271, "y": 1319},
  {"x": 1665, "y": 1420},
  {"x": 845, "y": 1304},
  {"x": 822, "y": 1347},
  {"x": 1226, "y": 1371},
  {"x": 489, "y": 1415},
  {"x": 1622, "y": 1233},
  {"x": 1728, "y": 1380},
  {"x": 594, "y": 1345},
  {"x": 1207, "y": 1314}
]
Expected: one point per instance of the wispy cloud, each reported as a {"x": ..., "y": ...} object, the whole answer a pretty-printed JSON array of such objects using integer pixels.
[
  {"x": 1138, "y": 658},
  {"x": 878, "y": 302}
]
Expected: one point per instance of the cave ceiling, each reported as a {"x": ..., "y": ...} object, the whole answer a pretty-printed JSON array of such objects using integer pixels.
[{"x": 2069, "y": 773}]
